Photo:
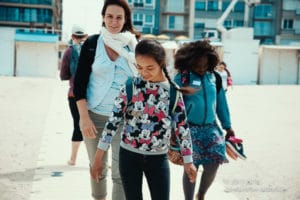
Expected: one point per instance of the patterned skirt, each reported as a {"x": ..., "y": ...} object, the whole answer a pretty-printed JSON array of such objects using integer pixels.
[{"x": 208, "y": 144}]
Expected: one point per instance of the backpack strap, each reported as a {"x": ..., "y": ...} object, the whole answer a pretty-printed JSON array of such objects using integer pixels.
[
  {"x": 73, "y": 60},
  {"x": 91, "y": 48},
  {"x": 218, "y": 81},
  {"x": 185, "y": 79},
  {"x": 174, "y": 95},
  {"x": 129, "y": 89}
]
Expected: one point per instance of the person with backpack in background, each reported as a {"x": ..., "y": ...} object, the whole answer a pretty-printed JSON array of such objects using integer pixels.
[
  {"x": 205, "y": 102},
  {"x": 67, "y": 72},
  {"x": 144, "y": 106},
  {"x": 222, "y": 69},
  {"x": 106, "y": 61}
]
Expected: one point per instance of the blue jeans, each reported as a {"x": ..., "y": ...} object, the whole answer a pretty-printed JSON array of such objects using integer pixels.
[{"x": 156, "y": 169}]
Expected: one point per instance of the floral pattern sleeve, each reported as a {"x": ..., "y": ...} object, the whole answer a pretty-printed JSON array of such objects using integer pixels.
[
  {"x": 182, "y": 130},
  {"x": 114, "y": 120}
]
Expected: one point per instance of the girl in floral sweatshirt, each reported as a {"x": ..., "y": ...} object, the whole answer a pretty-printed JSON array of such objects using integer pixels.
[{"x": 147, "y": 128}]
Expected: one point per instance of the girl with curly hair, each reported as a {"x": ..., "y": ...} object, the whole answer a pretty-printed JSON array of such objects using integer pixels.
[{"x": 195, "y": 63}]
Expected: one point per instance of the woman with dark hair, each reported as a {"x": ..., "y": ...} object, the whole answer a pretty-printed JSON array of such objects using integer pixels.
[
  {"x": 205, "y": 103},
  {"x": 105, "y": 63},
  {"x": 147, "y": 127}
]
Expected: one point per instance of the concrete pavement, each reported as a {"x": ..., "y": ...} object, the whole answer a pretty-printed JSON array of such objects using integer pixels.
[
  {"x": 35, "y": 144},
  {"x": 55, "y": 180}
]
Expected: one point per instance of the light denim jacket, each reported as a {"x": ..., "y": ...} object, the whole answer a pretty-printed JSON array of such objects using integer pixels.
[
  {"x": 102, "y": 76},
  {"x": 203, "y": 106}
]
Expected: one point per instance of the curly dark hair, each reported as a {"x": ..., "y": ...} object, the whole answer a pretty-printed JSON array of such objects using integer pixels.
[{"x": 196, "y": 54}]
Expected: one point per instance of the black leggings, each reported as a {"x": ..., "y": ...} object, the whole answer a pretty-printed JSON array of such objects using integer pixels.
[
  {"x": 208, "y": 176},
  {"x": 77, "y": 136}
]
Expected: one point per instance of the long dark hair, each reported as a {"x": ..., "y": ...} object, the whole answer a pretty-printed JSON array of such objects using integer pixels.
[
  {"x": 155, "y": 50},
  {"x": 128, "y": 22}
]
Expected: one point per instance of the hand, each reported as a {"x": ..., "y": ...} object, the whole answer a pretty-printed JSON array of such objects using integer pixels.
[
  {"x": 96, "y": 169},
  {"x": 231, "y": 153},
  {"x": 229, "y": 133},
  {"x": 87, "y": 127},
  {"x": 191, "y": 171}
]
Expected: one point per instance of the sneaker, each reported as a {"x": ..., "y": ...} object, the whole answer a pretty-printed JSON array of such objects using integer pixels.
[{"x": 236, "y": 146}]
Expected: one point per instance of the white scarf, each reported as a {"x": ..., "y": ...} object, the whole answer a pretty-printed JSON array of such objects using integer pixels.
[{"x": 120, "y": 40}]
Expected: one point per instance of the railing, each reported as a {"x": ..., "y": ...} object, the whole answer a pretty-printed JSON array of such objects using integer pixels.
[{"x": 42, "y": 2}]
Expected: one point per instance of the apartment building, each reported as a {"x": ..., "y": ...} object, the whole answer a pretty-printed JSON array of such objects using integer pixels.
[
  {"x": 274, "y": 21},
  {"x": 289, "y": 32},
  {"x": 30, "y": 31},
  {"x": 145, "y": 15},
  {"x": 33, "y": 15}
]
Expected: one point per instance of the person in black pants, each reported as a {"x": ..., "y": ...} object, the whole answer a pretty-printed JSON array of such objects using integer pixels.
[{"x": 67, "y": 72}]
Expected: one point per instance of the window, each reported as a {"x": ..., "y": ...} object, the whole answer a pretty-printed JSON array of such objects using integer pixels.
[
  {"x": 288, "y": 24},
  {"x": 199, "y": 25},
  {"x": 3, "y": 13},
  {"x": 34, "y": 15},
  {"x": 138, "y": 3},
  {"x": 262, "y": 28},
  {"x": 200, "y": 5},
  {"x": 239, "y": 7},
  {"x": 225, "y": 5},
  {"x": 13, "y": 14},
  {"x": 175, "y": 22},
  {"x": 138, "y": 19},
  {"x": 263, "y": 11},
  {"x": 175, "y": 7},
  {"x": 228, "y": 23},
  {"x": 27, "y": 14},
  {"x": 212, "y": 5},
  {"x": 238, "y": 23},
  {"x": 45, "y": 15},
  {"x": 149, "y": 19},
  {"x": 171, "y": 22},
  {"x": 148, "y": 1}
]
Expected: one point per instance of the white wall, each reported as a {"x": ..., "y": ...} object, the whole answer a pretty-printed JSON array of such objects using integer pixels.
[
  {"x": 241, "y": 55},
  {"x": 36, "y": 59},
  {"x": 279, "y": 66},
  {"x": 7, "y": 48}
]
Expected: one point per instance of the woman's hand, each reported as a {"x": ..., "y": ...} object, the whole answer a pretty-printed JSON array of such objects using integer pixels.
[
  {"x": 229, "y": 133},
  {"x": 96, "y": 169},
  {"x": 87, "y": 127},
  {"x": 191, "y": 171}
]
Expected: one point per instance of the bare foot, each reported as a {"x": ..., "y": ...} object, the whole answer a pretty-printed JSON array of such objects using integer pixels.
[{"x": 71, "y": 162}]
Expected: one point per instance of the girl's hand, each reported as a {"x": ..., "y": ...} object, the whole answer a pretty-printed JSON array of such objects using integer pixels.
[
  {"x": 229, "y": 133},
  {"x": 96, "y": 169},
  {"x": 191, "y": 171}
]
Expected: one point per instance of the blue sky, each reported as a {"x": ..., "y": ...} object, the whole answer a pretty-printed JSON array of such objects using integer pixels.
[{"x": 84, "y": 13}]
